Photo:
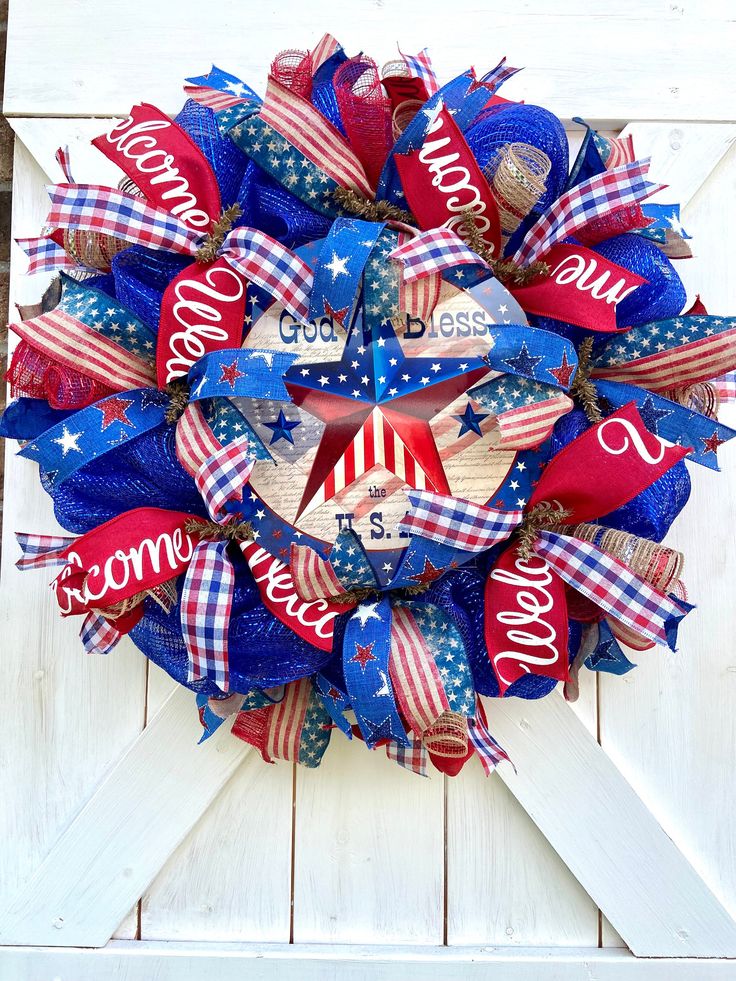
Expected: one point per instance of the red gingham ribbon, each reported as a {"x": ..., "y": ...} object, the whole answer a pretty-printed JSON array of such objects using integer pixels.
[
  {"x": 98, "y": 635},
  {"x": 451, "y": 521},
  {"x": 420, "y": 67},
  {"x": 42, "y": 551},
  {"x": 489, "y": 751},
  {"x": 434, "y": 251},
  {"x": 44, "y": 255},
  {"x": 412, "y": 757},
  {"x": 62, "y": 158}
]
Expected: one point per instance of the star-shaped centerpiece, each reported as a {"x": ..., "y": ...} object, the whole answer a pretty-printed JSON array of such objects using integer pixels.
[{"x": 377, "y": 404}]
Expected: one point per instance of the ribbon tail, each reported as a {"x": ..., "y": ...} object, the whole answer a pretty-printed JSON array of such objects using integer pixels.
[
  {"x": 412, "y": 757},
  {"x": 98, "y": 635},
  {"x": 42, "y": 551},
  {"x": 206, "y": 602},
  {"x": 613, "y": 586},
  {"x": 222, "y": 477},
  {"x": 490, "y": 753},
  {"x": 459, "y": 524},
  {"x": 270, "y": 265}
]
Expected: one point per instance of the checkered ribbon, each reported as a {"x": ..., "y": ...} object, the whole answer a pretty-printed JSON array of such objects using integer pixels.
[
  {"x": 44, "y": 255},
  {"x": 206, "y": 599},
  {"x": 267, "y": 263},
  {"x": 258, "y": 257},
  {"x": 460, "y": 524},
  {"x": 62, "y": 158},
  {"x": 420, "y": 67},
  {"x": 412, "y": 756},
  {"x": 42, "y": 551},
  {"x": 597, "y": 196},
  {"x": 611, "y": 585},
  {"x": 489, "y": 751},
  {"x": 498, "y": 75},
  {"x": 98, "y": 635},
  {"x": 725, "y": 386},
  {"x": 434, "y": 251}
]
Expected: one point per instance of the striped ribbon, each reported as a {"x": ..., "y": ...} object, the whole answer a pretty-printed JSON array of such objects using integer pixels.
[
  {"x": 73, "y": 344},
  {"x": 580, "y": 204},
  {"x": 195, "y": 441},
  {"x": 304, "y": 127},
  {"x": 295, "y": 727},
  {"x": 419, "y": 689}
]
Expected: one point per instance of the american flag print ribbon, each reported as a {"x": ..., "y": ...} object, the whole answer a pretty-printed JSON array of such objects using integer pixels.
[
  {"x": 580, "y": 204},
  {"x": 206, "y": 599}
]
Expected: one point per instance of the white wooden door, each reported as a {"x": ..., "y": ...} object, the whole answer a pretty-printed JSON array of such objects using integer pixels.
[{"x": 128, "y": 850}]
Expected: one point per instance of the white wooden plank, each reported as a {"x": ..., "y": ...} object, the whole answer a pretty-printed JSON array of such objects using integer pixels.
[
  {"x": 635, "y": 59},
  {"x": 683, "y": 154},
  {"x": 230, "y": 879},
  {"x": 110, "y": 853},
  {"x": 73, "y": 715},
  {"x": 299, "y": 962},
  {"x": 670, "y": 726},
  {"x": 606, "y": 835},
  {"x": 506, "y": 884},
  {"x": 369, "y": 850}
]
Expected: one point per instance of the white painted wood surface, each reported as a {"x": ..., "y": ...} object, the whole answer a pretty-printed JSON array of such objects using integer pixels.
[
  {"x": 125, "y": 961},
  {"x": 629, "y": 59},
  {"x": 230, "y": 878}
]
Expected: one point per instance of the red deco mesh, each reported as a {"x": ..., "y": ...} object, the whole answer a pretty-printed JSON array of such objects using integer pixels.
[
  {"x": 293, "y": 69},
  {"x": 366, "y": 113},
  {"x": 37, "y": 376},
  {"x": 618, "y": 222}
]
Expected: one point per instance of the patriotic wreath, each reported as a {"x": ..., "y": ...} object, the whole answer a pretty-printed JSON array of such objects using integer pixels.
[{"x": 359, "y": 402}]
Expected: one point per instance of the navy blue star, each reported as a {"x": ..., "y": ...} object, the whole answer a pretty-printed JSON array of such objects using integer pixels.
[
  {"x": 651, "y": 414},
  {"x": 470, "y": 421},
  {"x": 378, "y": 730},
  {"x": 523, "y": 363},
  {"x": 281, "y": 429}
]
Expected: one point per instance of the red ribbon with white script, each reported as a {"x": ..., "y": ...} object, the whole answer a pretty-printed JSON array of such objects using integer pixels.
[
  {"x": 443, "y": 183},
  {"x": 582, "y": 288}
]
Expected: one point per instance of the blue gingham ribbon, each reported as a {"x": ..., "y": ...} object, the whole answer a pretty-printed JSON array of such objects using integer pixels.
[
  {"x": 435, "y": 251},
  {"x": 206, "y": 599},
  {"x": 451, "y": 521},
  {"x": 98, "y": 635},
  {"x": 258, "y": 257},
  {"x": 613, "y": 586},
  {"x": 580, "y": 204}
]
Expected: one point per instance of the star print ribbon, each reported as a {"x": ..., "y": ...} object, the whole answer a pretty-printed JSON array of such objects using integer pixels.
[
  {"x": 240, "y": 372},
  {"x": 420, "y": 664},
  {"x": 219, "y": 91},
  {"x": 90, "y": 433},
  {"x": 669, "y": 354},
  {"x": 672, "y": 421},
  {"x": 526, "y": 603},
  {"x": 295, "y": 728},
  {"x": 339, "y": 269},
  {"x": 583, "y": 203}
]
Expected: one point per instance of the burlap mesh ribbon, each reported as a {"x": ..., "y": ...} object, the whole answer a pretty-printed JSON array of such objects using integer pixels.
[
  {"x": 659, "y": 565},
  {"x": 448, "y": 736},
  {"x": 517, "y": 175}
]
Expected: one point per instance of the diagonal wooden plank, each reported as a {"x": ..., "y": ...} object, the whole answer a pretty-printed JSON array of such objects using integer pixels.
[
  {"x": 108, "y": 856},
  {"x": 600, "y": 827}
]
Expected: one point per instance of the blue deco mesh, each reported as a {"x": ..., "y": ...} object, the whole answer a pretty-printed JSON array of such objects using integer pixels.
[
  {"x": 268, "y": 206},
  {"x": 499, "y": 125},
  {"x": 141, "y": 275},
  {"x": 226, "y": 160}
]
